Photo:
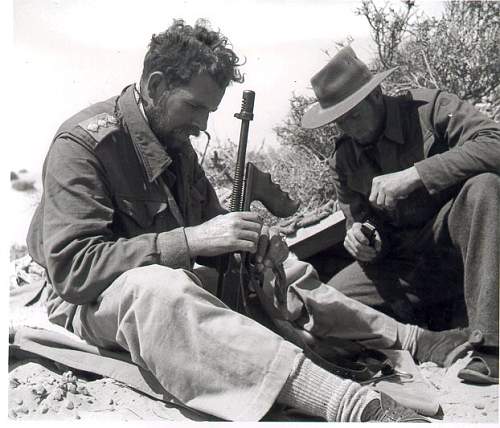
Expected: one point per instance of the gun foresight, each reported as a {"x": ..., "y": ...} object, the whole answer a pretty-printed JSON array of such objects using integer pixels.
[{"x": 247, "y": 104}]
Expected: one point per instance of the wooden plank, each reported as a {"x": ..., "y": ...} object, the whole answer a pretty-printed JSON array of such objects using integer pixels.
[{"x": 310, "y": 240}]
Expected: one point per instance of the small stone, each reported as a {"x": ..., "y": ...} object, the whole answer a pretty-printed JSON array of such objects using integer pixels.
[
  {"x": 40, "y": 389},
  {"x": 58, "y": 394},
  {"x": 70, "y": 405},
  {"x": 22, "y": 409},
  {"x": 12, "y": 413},
  {"x": 84, "y": 390},
  {"x": 43, "y": 407},
  {"x": 77, "y": 416},
  {"x": 479, "y": 406},
  {"x": 89, "y": 400},
  {"x": 484, "y": 413},
  {"x": 111, "y": 401},
  {"x": 18, "y": 401},
  {"x": 14, "y": 382}
]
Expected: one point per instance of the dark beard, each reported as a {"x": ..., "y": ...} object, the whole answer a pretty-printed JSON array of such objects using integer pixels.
[{"x": 173, "y": 139}]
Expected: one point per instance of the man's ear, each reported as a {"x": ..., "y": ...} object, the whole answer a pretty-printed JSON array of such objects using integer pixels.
[{"x": 155, "y": 86}]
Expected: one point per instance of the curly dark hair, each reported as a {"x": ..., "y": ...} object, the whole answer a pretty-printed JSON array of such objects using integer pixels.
[{"x": 183, "y": 51}]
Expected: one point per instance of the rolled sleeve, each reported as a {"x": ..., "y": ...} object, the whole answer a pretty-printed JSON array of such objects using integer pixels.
[{"x": 173, "y": 249}]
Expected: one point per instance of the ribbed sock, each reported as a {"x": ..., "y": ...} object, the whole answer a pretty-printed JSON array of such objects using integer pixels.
[
  {"x": 407, "y": 337},
  {"x": 317, "y": 392}
]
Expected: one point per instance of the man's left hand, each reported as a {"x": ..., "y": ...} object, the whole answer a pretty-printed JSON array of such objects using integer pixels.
[
  {"x": 272, "y": 249},
  {"x": 387, "y": 189}
]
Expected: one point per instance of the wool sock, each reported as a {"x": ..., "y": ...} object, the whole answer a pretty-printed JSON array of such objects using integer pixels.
[
  {"x": 407, "y": 338},
  {"x": 317, "y": 392}
]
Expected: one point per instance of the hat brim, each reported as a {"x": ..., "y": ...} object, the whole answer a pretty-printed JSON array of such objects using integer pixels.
[{"x": 316, "y": 116}]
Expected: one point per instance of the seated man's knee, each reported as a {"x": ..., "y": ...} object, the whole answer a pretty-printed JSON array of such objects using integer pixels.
[
  {"x": 158, "y": 280},
  {"x": 483, "y": 186}
]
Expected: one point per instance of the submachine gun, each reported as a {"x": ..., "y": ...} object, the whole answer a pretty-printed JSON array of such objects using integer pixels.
[{"x": 249, "y": 184}]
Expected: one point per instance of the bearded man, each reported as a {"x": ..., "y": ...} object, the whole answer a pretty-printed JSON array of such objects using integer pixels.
[{"x": 127, "y": 210}]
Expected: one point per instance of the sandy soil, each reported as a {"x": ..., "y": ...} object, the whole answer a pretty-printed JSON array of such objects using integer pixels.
[
  {"x": 32, "y": 386},
  {"x": 33, "y": 395}
]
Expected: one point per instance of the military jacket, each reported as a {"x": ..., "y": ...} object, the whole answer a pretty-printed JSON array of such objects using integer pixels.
[
  {"x": 445, "y": 138},
  {"x": 113, "y": 199}
]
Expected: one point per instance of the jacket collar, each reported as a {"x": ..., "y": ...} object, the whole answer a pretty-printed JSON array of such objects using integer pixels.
[
  {"x": 393, "y": 130},
  {"x": 151, "y": 152}
]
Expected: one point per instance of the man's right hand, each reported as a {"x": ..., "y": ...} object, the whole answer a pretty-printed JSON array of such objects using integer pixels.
[
  {"x": 236, "y": 231},
  {"x": 358, "y": 245}
]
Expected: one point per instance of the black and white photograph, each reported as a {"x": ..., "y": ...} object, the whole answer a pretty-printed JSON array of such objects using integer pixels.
[{"x": 279, "y": 211}]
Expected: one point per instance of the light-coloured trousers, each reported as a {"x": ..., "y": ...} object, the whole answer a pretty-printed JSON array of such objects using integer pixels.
[{"x": 209, "y": 357}]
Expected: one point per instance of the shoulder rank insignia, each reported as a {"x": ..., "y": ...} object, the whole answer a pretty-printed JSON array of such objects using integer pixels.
[{"x": 100, "y": 125}]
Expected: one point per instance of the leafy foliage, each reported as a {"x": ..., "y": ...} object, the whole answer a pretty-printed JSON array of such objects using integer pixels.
[
  {"x": 302, "y": 175},
  {"x": 457, "y": 52}
]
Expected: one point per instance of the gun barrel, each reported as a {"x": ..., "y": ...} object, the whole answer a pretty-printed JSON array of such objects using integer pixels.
[{"x": 245, "y": 115}]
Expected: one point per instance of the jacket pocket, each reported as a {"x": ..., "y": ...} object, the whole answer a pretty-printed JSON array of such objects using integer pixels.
[{"x": 137, "y": 215}]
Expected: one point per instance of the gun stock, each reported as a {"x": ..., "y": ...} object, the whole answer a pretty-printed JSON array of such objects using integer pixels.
[{"x": 260, "y": 187}]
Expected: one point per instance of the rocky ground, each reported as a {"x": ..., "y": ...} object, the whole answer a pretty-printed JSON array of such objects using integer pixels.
[{"x": 44, "y": 391}]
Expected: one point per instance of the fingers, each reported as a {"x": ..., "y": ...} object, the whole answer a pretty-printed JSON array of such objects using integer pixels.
[
  {"x": 262, "y": 246},
  {"x": 357, "y": 244},
  {"x": 380, "y": 197},
  {"x": 272, "y": 249}
]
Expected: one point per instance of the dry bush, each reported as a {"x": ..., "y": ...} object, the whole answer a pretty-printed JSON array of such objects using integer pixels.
[{"x": 457, "y": 52}]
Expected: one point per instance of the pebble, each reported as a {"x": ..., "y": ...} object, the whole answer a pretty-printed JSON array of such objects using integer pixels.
[
  {"x": 40, "y": 390},
  {"x": 77, "y": 416},
  {"x": 22, "y": 409},
  {"x": 58, "y": 394},
  {"x": 479, "y": 406},
  {"x": 70, "y": 405},
  {"x": 43, "y": 407},
  {"x": 14, "y": 383},
  {"x": 111, "y": 401},
  {"x": 19, "y": 401},
  {"x": 484, "y": 413}
]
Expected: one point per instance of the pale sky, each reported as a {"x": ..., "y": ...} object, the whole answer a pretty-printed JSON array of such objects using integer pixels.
[{"x": 69, "y": 54}]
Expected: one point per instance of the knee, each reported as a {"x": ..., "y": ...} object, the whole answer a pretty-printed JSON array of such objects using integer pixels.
[
  {"x": 156, "y": 282},
  {"x": 483, "y": 188}
]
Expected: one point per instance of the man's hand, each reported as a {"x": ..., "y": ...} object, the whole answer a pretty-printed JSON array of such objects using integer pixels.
[
  {"x": 226, "y": 233},
  {"x": 387, "y": 189},
  {"x": 358, "y": 245},
  {"x": 271, "y": 249}
]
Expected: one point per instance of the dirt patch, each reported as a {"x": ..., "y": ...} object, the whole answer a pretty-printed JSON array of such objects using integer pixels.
[
  {"x": 40, "y": 393},
  {"x": 46, "y": 391}
]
